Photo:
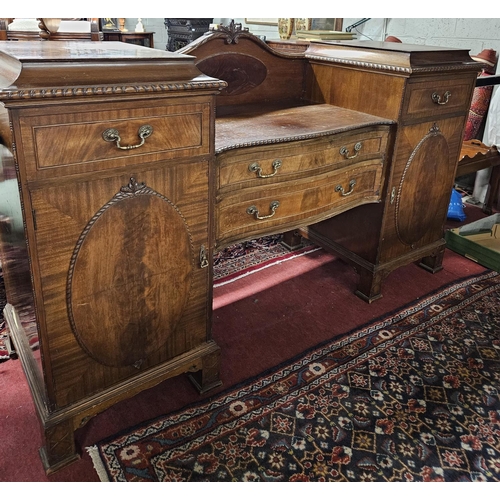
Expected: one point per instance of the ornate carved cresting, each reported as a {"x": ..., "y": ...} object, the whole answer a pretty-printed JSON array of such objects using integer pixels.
[{"x": 232, "y": 32}]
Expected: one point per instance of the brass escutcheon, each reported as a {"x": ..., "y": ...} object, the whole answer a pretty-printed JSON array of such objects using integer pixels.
[{"x": 203, "y": 257}]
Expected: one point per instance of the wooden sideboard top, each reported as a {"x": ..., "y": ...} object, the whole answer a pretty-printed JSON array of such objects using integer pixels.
[
  {"x": 50, "y": 50},
  {"x": 392, "y": 57},
  {"x": 58, "y": 65},
  {"x": 261, "y": 125}
]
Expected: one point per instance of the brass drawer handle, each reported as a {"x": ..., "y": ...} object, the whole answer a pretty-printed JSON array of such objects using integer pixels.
[
  {"x": 255, "y": 167},
  {"x": 437, "y": 98},
  {"x": 345, "y": 152},
  {"x": 203, "y": 257},
  {"x": 340, "y": 189},
  {"x": 111, "y": 135},
  {"x": 254, "y": 211}
]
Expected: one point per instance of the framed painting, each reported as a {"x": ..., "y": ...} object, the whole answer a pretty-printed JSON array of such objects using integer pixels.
[{"x": 109, "y": 24}]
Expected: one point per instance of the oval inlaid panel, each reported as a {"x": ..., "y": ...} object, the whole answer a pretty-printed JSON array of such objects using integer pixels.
[
  {"x": 130, "y": 280},
  {"x": 422, "y": 183},
  {"x": 241, "y": 72}
]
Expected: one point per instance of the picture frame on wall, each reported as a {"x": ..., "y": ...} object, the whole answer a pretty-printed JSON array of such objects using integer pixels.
[
  {"x": 316, "y": 23},
  {"x": 259, "y": 20},
  {"x": 109, "y": 24}
]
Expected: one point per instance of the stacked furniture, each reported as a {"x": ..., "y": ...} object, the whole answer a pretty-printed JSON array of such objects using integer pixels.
[
  {"x": 181, "y": 32},
  {"x": 163, "y": 158}
]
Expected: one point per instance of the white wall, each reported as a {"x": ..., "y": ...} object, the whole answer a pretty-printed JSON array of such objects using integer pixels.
[{"x": 474, "y": 34}]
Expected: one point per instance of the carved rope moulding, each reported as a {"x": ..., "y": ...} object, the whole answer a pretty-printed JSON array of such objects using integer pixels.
[
  {"x": 385, "y": 67},
  {"x": 106, "y": 90}
]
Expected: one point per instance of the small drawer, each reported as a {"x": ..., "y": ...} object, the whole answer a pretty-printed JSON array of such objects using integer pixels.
[
  {"x": 432, "y": 99},
  {"x": 76, "y": 142},
  {"x": 256, "y": 212},
  {"x": 262, "y": 166}
]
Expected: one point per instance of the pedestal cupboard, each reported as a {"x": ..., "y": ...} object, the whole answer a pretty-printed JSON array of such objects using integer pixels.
[
  {"x": 113, "y": 147},
  {"x": 427, "y": 91}
]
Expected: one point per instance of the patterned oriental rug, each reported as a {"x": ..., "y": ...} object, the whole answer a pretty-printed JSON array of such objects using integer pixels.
[
  {"x": 245, "y": 258},
  {"x": 410, "y": 397}
]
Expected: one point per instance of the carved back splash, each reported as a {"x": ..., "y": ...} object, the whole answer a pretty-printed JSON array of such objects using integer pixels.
[{"x": 254, "y": 72}]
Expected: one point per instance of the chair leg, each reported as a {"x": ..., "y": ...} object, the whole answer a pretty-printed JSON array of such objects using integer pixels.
[{"x": 491, "y": 201}]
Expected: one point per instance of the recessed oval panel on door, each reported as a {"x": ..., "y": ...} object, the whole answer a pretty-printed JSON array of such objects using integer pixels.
[
  {"x": 423, "y": 182},
  {"x": 130, "y": 278}
]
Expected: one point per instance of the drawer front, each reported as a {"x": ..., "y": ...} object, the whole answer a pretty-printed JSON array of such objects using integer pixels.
[
  {"x": 263, "y": 166},
  {"x": 257, "y": 212},
  {"x": 69, "y": 142},
  {"x": 438, "y": 98}
]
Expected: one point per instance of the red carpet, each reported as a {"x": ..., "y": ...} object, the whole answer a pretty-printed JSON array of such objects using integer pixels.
[{"x": 260, "y": 321}]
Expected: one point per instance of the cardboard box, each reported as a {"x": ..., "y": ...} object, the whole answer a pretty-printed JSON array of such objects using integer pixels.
[{"x": 478, "y": 241}]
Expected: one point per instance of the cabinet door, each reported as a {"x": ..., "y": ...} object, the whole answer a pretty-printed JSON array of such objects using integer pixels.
[
  {"x": 122, "y": 285},
  {"x": 420, "y": 186}
]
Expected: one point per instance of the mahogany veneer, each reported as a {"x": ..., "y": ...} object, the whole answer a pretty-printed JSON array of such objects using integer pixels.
[
  {"x": 107, "y": 248},
  {"x": 132, "y": 165}
]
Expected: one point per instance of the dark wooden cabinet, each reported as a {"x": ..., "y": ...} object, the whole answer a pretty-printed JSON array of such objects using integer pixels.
[
  {"x": 181, "y": 32},
  {"x": 145, "y": 39},
  {"x": 108, "y": 252}
]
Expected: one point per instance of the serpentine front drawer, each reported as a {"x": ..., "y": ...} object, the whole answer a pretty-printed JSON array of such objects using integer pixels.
[
  {"x": 256, "y": 212},
  {"x": 84, "y": 138},
  {"x": 265, "y": 165}
]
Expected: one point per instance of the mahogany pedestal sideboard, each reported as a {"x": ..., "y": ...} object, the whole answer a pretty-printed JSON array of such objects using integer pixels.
[
  {"x": 426, "y": 92},
  {"x": 143, "y": 162},
  {"x": 108, "y": 243}
]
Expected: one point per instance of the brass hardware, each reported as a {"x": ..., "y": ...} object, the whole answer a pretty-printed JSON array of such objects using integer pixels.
[
  {"x": 393, "y": 195},
  {"x": 255, "y": 167},
  {"x": 254, "y": 211},
  {"x": 112, "y": 135},
  {"x": 340, "y": 189},
  {"x": 345, "y": 152},
  {"x": 137, "y": 365},
  {"x": 437, "y": 98},
  {"x": 84, "y": 420},
  {"x": 203, "y": 257}
]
